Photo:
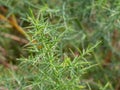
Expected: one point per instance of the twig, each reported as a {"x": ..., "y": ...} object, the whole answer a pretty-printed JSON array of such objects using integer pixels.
[
  {"x": 7, "y": 65},
  {"x": 12, "y": 20},
  {"x": 4, "y": 53},
  {"x": 3, "y": 9},
  {"x": 16, "y": 38}
]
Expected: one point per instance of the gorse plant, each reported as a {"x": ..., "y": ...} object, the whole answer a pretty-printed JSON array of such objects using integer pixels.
[
  {"x": 50, "y": 67},
  {"x": 47, "y": 67},
  {"x": 59, "y": 45}
]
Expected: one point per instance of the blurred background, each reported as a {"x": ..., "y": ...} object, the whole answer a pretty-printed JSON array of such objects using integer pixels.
[{"x": 88, "y": 22}]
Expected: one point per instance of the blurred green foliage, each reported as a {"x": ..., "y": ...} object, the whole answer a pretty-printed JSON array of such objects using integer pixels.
[{"x": 69, "y": 32}]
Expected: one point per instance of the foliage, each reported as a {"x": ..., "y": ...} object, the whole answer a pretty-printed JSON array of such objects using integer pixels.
[{"x": 72, "y": 45}]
